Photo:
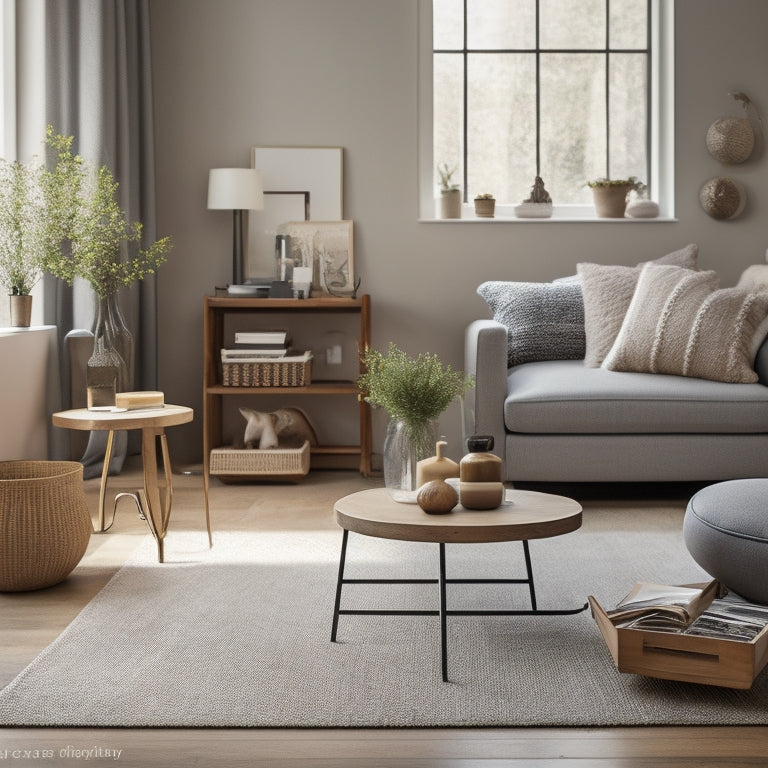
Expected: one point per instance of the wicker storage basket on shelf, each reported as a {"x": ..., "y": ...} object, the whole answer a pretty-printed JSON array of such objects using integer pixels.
[
  {"x": 44, "y": 523},
  {"x": 269, "y": 373}
]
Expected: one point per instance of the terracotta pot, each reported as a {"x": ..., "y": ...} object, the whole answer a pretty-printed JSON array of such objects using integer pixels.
[
  {"x": 21, "y": 310},
  {"x": 611, "y": 200},
  {"x": 450, "y": 204}
]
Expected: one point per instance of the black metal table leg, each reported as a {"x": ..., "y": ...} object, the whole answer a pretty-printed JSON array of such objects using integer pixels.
[
  {"x": 443, "y": 617},
  {"x": 337, "y": 604},
  {"x": 529, "y": 569}
]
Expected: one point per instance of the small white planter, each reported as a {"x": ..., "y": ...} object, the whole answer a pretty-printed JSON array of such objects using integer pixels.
[{"x": 533, "y": 210}]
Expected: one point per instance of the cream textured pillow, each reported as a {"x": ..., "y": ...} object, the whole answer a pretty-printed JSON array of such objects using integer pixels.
[
  {"x": 607, "y": 292},
  {"x": 679, "y": 323}
]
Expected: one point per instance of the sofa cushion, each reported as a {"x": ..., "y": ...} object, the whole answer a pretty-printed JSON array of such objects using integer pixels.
[
  {"x": 607, "y": 290},
  {"x": 566, "y": 397},
  {"x": 544, "y": 321},
  {"x": 680, "y": 323}
]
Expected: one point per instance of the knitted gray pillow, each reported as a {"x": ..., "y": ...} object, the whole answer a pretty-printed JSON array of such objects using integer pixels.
[{"x": 545, "y": 321}]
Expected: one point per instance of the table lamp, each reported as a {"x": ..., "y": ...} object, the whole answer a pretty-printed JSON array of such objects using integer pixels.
[{"x": 238, "y": 190}]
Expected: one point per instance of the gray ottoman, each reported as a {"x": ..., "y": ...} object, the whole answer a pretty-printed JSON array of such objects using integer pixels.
[{"x": 726, "y": 532}]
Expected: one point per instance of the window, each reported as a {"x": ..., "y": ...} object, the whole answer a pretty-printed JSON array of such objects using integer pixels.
[{"x": 563, "y": 89}]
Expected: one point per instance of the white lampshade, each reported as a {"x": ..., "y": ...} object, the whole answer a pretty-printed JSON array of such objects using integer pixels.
[{"x": 235, "y": 189}]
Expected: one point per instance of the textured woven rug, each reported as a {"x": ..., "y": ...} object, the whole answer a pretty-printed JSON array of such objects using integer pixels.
[{"x": 240, "y": 636}]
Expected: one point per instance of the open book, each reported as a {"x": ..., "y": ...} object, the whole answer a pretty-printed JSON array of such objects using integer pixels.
[{"x": 657, "y": 606}]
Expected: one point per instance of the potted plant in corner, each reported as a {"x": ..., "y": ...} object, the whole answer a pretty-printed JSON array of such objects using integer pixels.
[
  {"x": 485, "y": 206},
  {"x": 414, "y": 391},
  {"x": 24, "y": 231},
  {"x": 450, "y": 194},
  {"x": 610, "y": 196}
]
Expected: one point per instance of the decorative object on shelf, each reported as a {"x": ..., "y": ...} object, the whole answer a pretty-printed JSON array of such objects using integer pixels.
[
  {"x": 238, "y": 190},
  {"x": 285, "y": 428},
  {"x": 326, "y": 247},
  {"x": 450, "y": 194},
  {"x": 610, "y": 196},
  {"x": 436, "y": 497},
  {"x": 45, "y": 522},
  {"x": 639, "y": 206},
  {"x": 723, "y": 198},
  {"x": 414, "y": 391},
  {"x": 260, "y": 427},
  {"x": 538, "y": 205},
  {"x": 732, "y": 139},
  {"x": 485, "y": 206}
]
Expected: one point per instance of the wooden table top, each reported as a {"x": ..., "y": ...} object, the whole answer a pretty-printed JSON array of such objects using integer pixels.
[
  {"x": 523, "y": 515},
  {"x": 82, "y": 418}
]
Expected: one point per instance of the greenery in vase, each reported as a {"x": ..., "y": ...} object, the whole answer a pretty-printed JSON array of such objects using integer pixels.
[
  {"x": 412, "y": 389},
  {"x": 23, "y": 226},
  {"x": 93, "y": 228},
  {"x": 446, "y": 174}
]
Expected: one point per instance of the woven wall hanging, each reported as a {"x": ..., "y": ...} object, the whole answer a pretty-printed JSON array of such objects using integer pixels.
[{"x": 731, "y": 140}]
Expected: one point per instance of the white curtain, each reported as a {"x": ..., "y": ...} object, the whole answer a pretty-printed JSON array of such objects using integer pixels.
[{"x": 84, "y": 67}]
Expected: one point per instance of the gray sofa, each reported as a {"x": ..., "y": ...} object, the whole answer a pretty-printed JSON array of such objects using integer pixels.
[{"x": 560, "y": 421}]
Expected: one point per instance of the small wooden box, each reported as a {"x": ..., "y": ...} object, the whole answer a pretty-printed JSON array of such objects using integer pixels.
[
  {"x": 275, "y": 464},
  {"x": 692, "y": 659}
]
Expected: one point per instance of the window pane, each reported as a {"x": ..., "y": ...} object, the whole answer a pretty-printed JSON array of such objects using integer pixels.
[
  {"x": 449, "y": 113},
  {"x": 447, "y": 24},
  {"x": 572, "y": 124},
  {"x": 569, "y": 24},
  {"x": 628, "y": 24},
  {"x": 627, "y": 99},
  {"x": 501, "y": 24},
  {"x": 501, "y": 136}
]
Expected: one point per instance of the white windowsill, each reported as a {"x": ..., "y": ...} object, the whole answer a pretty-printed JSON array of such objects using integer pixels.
[{"x": 552, "y": 220}]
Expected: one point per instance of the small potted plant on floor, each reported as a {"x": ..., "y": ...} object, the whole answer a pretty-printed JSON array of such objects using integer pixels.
[
  {"x": 485, "y": 206},
  {"x": 450, "y": 193},
  {"x": 610, "y": 196}
]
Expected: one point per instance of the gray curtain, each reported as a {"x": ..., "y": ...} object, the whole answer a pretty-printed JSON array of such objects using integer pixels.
[{"x": 98, "y": 88}]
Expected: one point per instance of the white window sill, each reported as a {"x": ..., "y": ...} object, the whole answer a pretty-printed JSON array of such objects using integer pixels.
[{"x": 471, "y": 219}]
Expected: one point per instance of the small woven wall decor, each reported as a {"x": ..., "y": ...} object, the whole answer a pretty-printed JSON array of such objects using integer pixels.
[
  {"x": 723, "y": 198},
  {"x": 731, "y": 140}
]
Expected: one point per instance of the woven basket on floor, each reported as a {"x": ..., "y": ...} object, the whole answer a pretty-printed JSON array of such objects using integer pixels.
[{"x": 44, "y": 523}]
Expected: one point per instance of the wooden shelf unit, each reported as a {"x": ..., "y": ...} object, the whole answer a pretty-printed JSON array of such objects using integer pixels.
[{"x": 215, "y": 310}]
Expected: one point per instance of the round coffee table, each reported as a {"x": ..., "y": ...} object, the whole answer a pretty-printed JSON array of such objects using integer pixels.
[{"x": 524, "y": 515}]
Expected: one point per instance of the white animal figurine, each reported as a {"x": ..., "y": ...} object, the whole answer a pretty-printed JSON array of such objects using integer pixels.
[{"x": 260, "y": 427}]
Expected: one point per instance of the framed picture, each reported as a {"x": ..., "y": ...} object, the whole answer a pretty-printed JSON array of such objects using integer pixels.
[
  {"x": 300, "y": 184},
  {"x": 326, "y": 247}
]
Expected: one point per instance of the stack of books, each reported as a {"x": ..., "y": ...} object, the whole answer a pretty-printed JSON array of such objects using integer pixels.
[{"x": 258, "y": 346}]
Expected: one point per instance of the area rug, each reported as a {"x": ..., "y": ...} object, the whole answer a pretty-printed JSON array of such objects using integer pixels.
[{"x": 240, "y": 636}]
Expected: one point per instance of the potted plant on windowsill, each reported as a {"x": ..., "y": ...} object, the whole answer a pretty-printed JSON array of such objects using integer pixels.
[
  {"x": 539, "y": 203},
  {"x": 485, "y": 206},
  {"x": 24, "y": 231},
  {"x": 450, "y": 194},
  {"x": 610, "y": 195},
  {"x": 414, "y": 391}
]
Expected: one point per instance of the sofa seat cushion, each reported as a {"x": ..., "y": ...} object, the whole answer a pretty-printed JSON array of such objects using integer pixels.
[{"x": 566, "y": 397}]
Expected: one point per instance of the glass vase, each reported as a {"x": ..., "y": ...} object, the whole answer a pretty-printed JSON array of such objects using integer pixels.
[
  {"x": 405, "y": 445},
  {"x": 110, "y": 367}
]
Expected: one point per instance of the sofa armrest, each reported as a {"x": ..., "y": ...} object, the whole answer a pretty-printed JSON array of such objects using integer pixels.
[
  {"x": 485, "y": 357},
  {"x": 761, "y": 363}
]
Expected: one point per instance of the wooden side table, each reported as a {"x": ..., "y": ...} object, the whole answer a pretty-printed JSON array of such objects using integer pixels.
[{"x": 154, "y": 505}]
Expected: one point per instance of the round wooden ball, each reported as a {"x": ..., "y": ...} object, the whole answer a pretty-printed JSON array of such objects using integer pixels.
[{"x": 437, "y": 497}]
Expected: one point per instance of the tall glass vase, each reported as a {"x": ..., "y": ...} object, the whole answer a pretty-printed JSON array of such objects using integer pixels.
[
  {"x": 405, "y": 445},
  {"x": 110, "y": 367}
]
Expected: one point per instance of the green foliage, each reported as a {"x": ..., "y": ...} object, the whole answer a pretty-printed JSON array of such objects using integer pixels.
[
  {"x": 484, "y": 196},
  {"x": 632, "y": 182},
  {"x": 446, "y": 174},
  {"x": 95, "y": 239},
  {"x": 23, "y": 226},
  {"x": 414, "y": 389}
]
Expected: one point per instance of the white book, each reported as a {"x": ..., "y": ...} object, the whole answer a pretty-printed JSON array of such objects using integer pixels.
[
  {"x": 299, "y": 357},
  {"x": 245, "y": 354},
  {"x": 261, "y": 337}
]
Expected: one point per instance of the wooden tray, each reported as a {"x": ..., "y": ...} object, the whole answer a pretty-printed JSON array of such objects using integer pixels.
[{"x": 691, "y": 659}]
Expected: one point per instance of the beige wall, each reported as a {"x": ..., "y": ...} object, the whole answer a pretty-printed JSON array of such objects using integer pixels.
[{"x": 229, "y": 74}]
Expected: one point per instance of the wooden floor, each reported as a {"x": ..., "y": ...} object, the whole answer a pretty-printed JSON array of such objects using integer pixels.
[{"x": 30, "y": 621}]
